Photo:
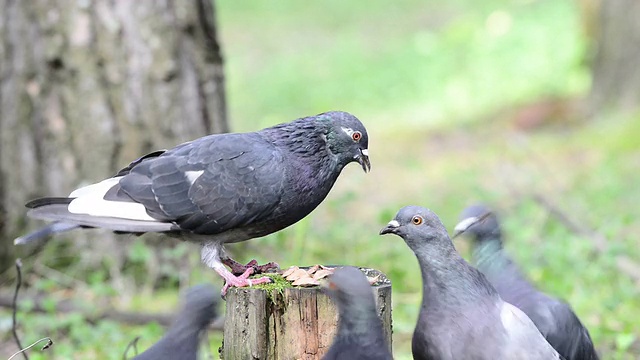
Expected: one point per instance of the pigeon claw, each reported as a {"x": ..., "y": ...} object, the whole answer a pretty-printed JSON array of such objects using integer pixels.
[
  {"x": 242, "y": 281},
  {"x": 238, "y": 269}
]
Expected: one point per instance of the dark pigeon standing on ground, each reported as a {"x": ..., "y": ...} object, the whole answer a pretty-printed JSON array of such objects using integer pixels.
[
  {"x": 360, "y": 334},
  {"x": 181, "y": 341},
  {"x": 554, "y": 318},
  {"x": 462, "y": 316},
  {"x": 218, "y": 189}
]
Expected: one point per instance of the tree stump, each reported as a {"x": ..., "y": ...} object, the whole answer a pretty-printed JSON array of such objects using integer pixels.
[{"x": 295, "y": 323}]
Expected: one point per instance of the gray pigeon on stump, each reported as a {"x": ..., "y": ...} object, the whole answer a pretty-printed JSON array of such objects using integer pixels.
[
  {"x": 360, "y": 334},
  {"x": 462, "y": 316},
  {"x": 181, "y": 341},
  {"x": 554, "y": 318},
  {"x": 218, "y": 189}
]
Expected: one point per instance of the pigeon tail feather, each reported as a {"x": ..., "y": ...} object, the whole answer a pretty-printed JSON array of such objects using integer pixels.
[
  {"x": 53, "y": 228},
  {"x": 61, "y": 213},
  {"x": 36, "y": 203}
]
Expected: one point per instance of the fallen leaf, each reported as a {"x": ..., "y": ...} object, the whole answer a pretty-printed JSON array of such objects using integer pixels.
[
  {"x": 305, "y": 281},
  {"x": 313, "y": 269},
  {"x": 321, "y": 274},
  {"x": 290, "y": 270},
  {"x": 296, "y": 275}
]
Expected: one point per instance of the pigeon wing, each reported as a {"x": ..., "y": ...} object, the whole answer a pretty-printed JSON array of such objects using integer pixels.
[
  {"x": 525, "y": 341},
  {"x": 212, "y": 184},
  {"x": 567, "y": 334}
]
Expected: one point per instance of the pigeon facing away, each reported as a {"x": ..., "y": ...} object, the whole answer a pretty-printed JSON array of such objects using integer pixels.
[
  {"x": 218, "y": 189},
  {"x": 360, "y": 334},
  {"x": 462, "y": 316},
  {"x": 554, "y": 318},
  {"x": 182, "y": 339}
]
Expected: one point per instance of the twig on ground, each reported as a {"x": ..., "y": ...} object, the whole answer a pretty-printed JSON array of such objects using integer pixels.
[
  {"x": 599, "y": 241},
  {"x": 132, "y": 344},
  {"x": 14, "y": 326},
  {"x": 625, "y": 264},
  {"x": 59, "y": 277},
  {"x": 45, "y": 347},
  {"x": 94, "y": 315}
]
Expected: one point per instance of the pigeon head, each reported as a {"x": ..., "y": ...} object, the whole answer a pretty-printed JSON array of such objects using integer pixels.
[
  {"x": 479, "y": 222},
  {"x": 351, "y": 292},
  {"x": 346, "y": 138},
  {"x": 349, "y": 288},
  {"x": 418, "y": 227}
]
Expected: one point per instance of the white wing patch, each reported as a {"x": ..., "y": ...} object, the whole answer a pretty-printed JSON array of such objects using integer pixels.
[
  {"x": 90, "y": 200},
  {"x": 192, "y": 176},
  {"x": 103, "y": 186}
]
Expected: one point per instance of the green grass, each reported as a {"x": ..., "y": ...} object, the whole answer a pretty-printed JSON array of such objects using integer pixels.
[
  {"x": 419, "y": 61},
  {"x": 429, "y": 79}
]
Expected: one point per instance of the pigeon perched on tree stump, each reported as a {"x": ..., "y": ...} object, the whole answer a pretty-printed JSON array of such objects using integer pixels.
[
  {"x": 554, "y": 318},
  {"x": 218, "y": 189},
  {"x": 360, "y": 334},
  {"x": 183, "y": 337},
  {"x": 461, "y": 316}
]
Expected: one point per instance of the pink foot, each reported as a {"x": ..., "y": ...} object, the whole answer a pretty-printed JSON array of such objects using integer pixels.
[{"x": 240, "y": 281}]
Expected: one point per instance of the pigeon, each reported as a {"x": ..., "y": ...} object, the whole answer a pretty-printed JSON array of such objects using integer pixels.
[
  {"x": 221, "y": 188},
  {"x": 553, "y": 317},
  {"x": 182, "y": 339},
  {"x": 461, "y": 316},
  {"x": 360, "y": 334}
]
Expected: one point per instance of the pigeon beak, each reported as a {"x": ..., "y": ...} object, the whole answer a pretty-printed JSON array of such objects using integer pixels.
[
  {"x": 363, "y": 159},
  {"x": 391, "y": 227},
  {"x": 327, "y": 285},
  {"x": 463, "y": 226}
]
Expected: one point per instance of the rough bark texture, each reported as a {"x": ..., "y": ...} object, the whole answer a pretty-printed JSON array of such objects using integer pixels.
[
  {"x": 87, "y": 86},
  {"x": 6, "y": 250},
  {"x": 300, "y": 323},
  {"x": 616, "y": 81}
]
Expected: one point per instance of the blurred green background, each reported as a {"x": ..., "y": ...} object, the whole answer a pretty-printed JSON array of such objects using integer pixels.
[{"x": 465, "y": 101}]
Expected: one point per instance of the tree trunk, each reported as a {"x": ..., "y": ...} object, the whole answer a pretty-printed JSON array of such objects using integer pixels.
[
  {"x": 616, "y": 81},
  {"x": 295, "y": 323},
  {"x": 88, "y": 86}
]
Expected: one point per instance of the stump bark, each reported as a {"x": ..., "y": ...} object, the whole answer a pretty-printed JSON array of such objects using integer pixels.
[{"x": 297, "y": 323}]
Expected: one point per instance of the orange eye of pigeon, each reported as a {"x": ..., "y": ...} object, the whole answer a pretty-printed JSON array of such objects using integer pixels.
[
  {"x": 417, "y": 220},
  {"x": 356, "y": 136}
]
